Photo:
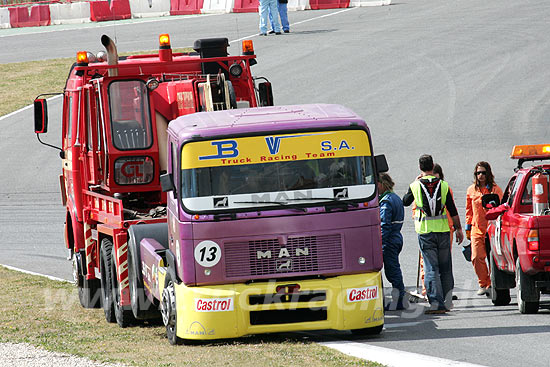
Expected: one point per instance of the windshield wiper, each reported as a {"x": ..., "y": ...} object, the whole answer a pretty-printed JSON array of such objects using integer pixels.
[
  {"x": 280, "y": 203},
  {"x": 332, "y": 201}
]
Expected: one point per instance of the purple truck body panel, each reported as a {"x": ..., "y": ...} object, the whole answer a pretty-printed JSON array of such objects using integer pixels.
[{"x": 149, "y": 257}]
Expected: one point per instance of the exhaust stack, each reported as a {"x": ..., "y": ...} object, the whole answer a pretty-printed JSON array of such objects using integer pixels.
[{"x": 112, "y": 54}]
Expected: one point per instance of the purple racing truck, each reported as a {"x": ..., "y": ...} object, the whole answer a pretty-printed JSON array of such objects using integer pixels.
[{"x": 272, "y": 226}]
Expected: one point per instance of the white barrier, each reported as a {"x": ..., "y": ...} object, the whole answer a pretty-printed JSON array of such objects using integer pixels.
[
  {"x": 5, "y": 18},
  {"x": 217, "y": 6},
  {"x": 357, "y": 3},
  {"x": 149, "y": 8},
  {"x": 294, "y": 5},
  {"x": 71, "y": 13}
]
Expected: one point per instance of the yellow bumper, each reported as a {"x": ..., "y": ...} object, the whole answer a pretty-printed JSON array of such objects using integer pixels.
[{"x": 228, "y": 311}]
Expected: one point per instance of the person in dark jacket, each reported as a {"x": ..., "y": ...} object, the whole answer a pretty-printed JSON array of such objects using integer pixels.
[{"x": 391, "y": 218}]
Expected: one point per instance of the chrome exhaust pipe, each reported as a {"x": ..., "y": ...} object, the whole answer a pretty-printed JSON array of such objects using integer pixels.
[{"x": 112, "y": 54}]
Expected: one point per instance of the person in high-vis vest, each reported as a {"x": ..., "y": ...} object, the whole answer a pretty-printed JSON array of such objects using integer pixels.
[{"x": 433, "y": 199}]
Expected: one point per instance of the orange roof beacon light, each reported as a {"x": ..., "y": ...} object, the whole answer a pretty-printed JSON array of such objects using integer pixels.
[
  {"x": 82, "y": 57},
  {"x": 248, "y": 47},
  {"x": 531, "y": 152},
  {"x": 165, "y": 49}
]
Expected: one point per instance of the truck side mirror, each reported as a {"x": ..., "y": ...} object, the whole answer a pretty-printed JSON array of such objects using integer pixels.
[
  {"x": 489, "y": 201},
  {"x": 167, "y": 182},
  {"x": 380, "y": 163},
  {"x": 266, "y": 94},
  {"x": 40, "y": 116}
]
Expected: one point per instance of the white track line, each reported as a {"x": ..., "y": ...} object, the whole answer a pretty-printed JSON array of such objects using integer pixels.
[
  {"x": 392, "y": 357},
  {"x": 33, "y": 273}
]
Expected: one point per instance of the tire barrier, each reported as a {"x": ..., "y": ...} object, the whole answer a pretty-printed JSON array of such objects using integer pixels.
[
  {"x": 35, "y": 16},
  {"x": 149, "y": 8},
  {"x": 71, "y": 13},
  {"x": 328, "y": 4},
  {"x": 4, "y": 18},
  {"x": 217, "y": 6},
  {"x": 185, "y": 7},
  {"x": 246, "y": 6}
]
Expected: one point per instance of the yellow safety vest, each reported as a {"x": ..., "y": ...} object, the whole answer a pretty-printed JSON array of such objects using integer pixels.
[{"x": 437, "y": 222}]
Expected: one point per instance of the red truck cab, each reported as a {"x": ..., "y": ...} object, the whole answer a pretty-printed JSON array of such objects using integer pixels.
[{"x": 519, "y": 233}]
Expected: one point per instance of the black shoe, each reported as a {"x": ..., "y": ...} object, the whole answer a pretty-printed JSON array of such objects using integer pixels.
[
  {"x": 287, "y": 31},
  {"x": 263, "y": 34},
  {"x": 278, "y": 33},
  {"x": 271, "y": 32}
]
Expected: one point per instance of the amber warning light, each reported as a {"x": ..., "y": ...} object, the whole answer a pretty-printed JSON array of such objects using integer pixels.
[
  {"x": 536, "y": 151},
  {"x": 248, "y": 47},
  {"x": 82, "y": 57},
  {"x": 164, "y": 40}
]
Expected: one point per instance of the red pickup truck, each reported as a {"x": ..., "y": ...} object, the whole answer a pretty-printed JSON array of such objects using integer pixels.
[{"x": 519, "y": 233}]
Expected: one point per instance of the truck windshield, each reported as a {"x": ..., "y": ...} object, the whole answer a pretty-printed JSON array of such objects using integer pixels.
[
  {"x": 130, "y": 117},
  {"x": 283, "y": 169}
]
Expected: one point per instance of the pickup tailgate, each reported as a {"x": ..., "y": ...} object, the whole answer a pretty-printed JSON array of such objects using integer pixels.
[{"x": 542, "y": 223}]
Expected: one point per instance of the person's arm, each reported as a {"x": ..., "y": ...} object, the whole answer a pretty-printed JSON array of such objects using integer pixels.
[
  {"x": 386, "y": 214},
  {"x": 469, "y": 213},
  {"x": 408, "y": 198},
  {"x": 451, "y": 208}
]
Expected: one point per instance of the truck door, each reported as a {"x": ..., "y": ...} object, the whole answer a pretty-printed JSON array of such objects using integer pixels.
[
  {"x": 93, "y": 135},
  {"x": 507, "y": 223}
]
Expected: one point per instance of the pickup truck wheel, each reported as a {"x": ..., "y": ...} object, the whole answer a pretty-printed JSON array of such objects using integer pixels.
[
  {"x": 528, "y": 295},
  {"x": 106, "y": 290},
  {"x": 123, "y": 314},
  {"x": 368, "y": 331},
  {"x": 499, "y": 297},
  {"x": 169, "y": 314}
]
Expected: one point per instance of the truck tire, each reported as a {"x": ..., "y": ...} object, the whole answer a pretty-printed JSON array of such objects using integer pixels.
[
  {"x": 528, "y": 295},
  {"x": 106, "y": 275},
  {"x": 123, "y": 314},
  {"x": 368, "y": 331},
  {"x": 142, "y": 307},
  {"x": 89, "y": 290},
  {"x": 499, "y": 296},
  {"x": 169, "y": 313}
]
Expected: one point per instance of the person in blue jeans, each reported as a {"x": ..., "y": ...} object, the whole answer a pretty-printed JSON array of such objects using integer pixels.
[
  {"x": 265, "y": 7},
  {"x": 432, "y": 197},
  {"x": 391, "y": 218},
  {"x": 283, "y": 13}
]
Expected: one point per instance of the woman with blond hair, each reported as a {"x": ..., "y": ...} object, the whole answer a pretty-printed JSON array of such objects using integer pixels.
[{"x": 391, "y": 218}]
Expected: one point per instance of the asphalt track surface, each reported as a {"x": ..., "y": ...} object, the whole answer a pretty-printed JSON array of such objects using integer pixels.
[{"x": 462, "y": 80}]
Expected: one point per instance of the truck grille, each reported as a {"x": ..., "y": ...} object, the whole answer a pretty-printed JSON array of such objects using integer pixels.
[{"x": 310, "y": 254}]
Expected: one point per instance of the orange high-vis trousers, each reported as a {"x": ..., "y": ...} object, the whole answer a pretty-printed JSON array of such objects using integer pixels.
[{"x": 479, "y": 254}]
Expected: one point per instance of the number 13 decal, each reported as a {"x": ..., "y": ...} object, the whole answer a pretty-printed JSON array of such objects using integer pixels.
[{"x": 207, "y": 253}]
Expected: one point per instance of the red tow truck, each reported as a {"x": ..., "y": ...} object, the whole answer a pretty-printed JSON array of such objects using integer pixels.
[
  {"x": 519, "y": 233},
  {"x": 114, "y": 148}
]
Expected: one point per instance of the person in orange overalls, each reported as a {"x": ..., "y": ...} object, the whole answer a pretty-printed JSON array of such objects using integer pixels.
[{"x": 476, "y": 224}]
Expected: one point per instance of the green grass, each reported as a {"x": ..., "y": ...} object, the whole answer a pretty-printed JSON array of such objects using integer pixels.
[{"x": 47, "y": 313}]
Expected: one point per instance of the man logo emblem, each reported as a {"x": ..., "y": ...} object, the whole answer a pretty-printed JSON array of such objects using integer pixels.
[
  {"x": 221, "y": 202},
  {"x": 341, "y": 193}
]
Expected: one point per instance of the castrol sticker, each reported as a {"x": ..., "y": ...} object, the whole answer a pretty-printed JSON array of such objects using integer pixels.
[
  {"x": 213, "y": 304},
  {"x": 362, "y": 294}
]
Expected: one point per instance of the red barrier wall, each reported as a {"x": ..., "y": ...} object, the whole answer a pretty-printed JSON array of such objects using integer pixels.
[
  {"x": 100, "y": 11},
  {"x": 184, "y": 7},
  {"x": 328, "y": 4},
  {"x": 19, "y": 17},
  {"x": 246, "y": 6},
  {"x": 121, "y": 9},
  {"x": 41, "y": 13}
]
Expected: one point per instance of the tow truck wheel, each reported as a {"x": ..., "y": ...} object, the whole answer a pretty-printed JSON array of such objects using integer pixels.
[
  {"x": 88, "y": 289},
  {"x": 528, "y": 295},
  {"x": 169, "y": 315},
  {"x": 106, "y": 290},
  {"x": 499, "y": 297},
  {"x": 368, "y": 331},
  {"x": 123, "y": 314}
]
